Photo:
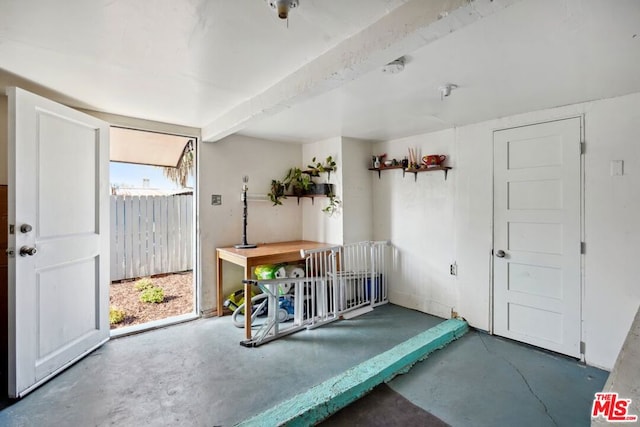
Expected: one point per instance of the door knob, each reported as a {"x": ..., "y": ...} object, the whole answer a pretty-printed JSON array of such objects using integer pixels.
[
  {"x": 25, "y": 228},
  {"x": 500, "y": 253},
  {"x": 28, "y": 250}
]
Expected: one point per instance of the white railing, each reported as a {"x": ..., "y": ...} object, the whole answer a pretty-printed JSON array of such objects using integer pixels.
[
  {"x": 151, "y": 235},
  {"x": 338, "y": 281},
  {"x": 362, "y": 275}
]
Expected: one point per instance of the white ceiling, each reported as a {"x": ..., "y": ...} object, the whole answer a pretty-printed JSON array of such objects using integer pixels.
[
  {"x": 231, "y": 66},
  {"x": 533, "y": 55},
  {"x": 179, "y": 61}
]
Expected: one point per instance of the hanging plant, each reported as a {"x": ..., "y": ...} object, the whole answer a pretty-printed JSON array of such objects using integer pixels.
[
  {"x": 277, "y": 192},
  {"x": 334, "y": 204},
  {"x": 185, "y": 168}
]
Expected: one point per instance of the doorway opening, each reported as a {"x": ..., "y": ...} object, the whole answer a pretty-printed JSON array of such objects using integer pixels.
[{"x": 152, "y": 230}]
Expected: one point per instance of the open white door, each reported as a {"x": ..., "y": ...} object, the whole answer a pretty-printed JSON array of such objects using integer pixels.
[{"x": 59, "y": 220}]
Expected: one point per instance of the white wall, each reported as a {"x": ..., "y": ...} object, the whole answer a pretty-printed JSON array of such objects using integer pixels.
[
  {"x": 612, "y": 226},
  {"x": 418, "y": 217},
  {"x": 222, "y": 165},
  {"x": 357, "y": 193},
  {"x": 317, "y": 225},
  {"x": 434, "y": 222}
]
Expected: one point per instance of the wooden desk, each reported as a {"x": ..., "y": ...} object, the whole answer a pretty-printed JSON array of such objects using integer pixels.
[{"x": 267, "y": 253}]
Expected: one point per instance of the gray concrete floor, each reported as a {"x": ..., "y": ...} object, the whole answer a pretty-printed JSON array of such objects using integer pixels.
[
  {"x": 196, "y": 374},
  {"x": 482, "y": 380}
]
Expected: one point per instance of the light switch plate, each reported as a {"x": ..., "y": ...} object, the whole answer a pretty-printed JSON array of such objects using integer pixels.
[{"x": 617, "y": 167}]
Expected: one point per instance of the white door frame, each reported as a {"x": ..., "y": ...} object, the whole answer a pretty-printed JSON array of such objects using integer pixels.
[
  {"x": 179, "y": 130},
  {"x": 197, "y": 270},
  {"x": 582, "y": 222}
]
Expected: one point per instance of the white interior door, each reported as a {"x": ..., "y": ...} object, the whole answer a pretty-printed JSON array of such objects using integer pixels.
[
  {"x": 59, "y": 207},
  {"x": 537, "y": 235}
]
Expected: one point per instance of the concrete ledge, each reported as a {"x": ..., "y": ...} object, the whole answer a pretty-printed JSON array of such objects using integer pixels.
[
  {"x": 624, "y": 378},
  {"x": 330, "y": 396}
]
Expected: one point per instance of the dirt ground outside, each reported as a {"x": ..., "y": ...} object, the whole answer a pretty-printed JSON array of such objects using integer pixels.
[{"x": 178, "y": 299}]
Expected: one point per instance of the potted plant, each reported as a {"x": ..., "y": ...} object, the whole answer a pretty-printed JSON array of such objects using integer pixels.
[
  {"x": 324, "y": 189},
  {"x": 298, "y": 182},
  {"x": 316, "y": 168},
  {"x": 295, "y": 180}
]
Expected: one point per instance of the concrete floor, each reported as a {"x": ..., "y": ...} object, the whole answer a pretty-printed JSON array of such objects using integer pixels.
[
  {"x": 482, "y": 380},
  {"x": 196, "y": 374}
]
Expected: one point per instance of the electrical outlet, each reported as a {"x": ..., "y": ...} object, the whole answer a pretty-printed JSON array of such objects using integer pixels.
[
  {"x": 453, "y": 269},
  {"x": 216, "y": 199}
]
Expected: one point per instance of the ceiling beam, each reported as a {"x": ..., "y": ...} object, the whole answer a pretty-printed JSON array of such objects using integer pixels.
[{"x": 402, "y": 31}]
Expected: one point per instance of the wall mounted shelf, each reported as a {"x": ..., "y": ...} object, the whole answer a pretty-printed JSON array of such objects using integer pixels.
[
  {"x": 415, "y": 172},
  {"x": 307, "y": 196},
  {"x": 384, "y": 168}
]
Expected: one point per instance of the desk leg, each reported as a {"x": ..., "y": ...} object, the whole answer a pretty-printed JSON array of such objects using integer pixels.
[
  {"x": 247, "y": 302},
  {"x": 219, "y": 285}
]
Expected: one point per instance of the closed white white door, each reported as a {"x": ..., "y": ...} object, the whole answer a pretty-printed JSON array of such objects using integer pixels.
[
  {"x": 537, "y": 235},
  {"x": 58, "y": 207}
]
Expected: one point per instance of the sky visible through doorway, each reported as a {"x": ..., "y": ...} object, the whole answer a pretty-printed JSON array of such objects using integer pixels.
[{"x": 131, "y": 176}]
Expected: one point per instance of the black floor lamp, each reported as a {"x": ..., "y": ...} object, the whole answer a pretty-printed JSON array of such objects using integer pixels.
[{"x": 244, "y": 244}]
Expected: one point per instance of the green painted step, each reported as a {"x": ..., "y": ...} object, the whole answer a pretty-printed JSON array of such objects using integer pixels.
[{"x": 324, "y": 399}]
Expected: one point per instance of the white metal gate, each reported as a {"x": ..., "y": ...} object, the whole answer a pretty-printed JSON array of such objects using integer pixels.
[{"x": 336, "y": 280}]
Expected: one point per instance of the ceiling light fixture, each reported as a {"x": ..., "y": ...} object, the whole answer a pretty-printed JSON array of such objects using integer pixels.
[
  {"x": 445, "y": 89},
  {"x": 394, "y": 67},
  {"x": 282, "y": 7}
]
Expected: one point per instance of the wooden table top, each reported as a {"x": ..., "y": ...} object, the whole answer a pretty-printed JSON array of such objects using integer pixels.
[
  {"x": 271, "y": 251},
  {"x": 265, "y": 253}
]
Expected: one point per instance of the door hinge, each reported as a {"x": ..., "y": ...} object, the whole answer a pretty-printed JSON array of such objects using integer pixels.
[
  {"x": 583, "y": 347},
  {"x": 583, "y": 147},
  {"x": 583, "y": 248}
]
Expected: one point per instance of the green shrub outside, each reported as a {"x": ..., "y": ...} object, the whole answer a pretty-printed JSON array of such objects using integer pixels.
[
  {"x": 116, "y": 315},
  {"x": 154, "y": 294},
  {"x": 144, "y": 283}
]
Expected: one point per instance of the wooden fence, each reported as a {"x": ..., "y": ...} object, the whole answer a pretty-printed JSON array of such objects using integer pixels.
[{"x": 151, "y": 235}]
